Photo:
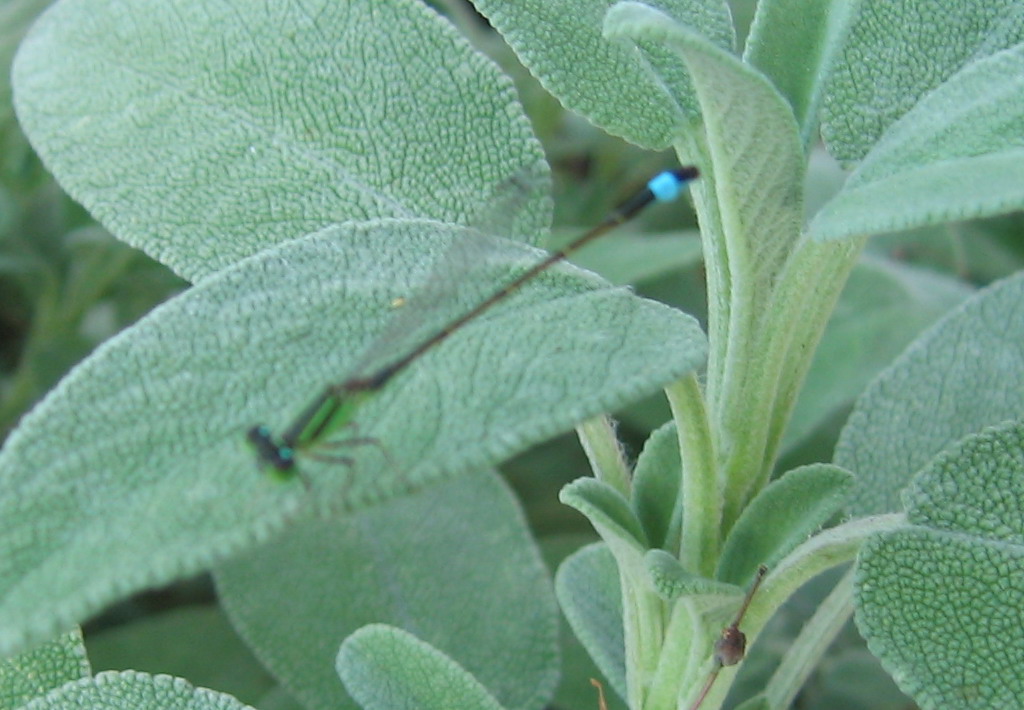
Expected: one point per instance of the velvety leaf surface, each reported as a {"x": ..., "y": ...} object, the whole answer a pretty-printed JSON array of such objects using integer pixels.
[
  {"x": 35, "y": 672},
  {"x": 784, "y": 514},
  {"x": 588, "y": 591},
  {"x": 608, "y": 511},
  {"x": 642, "y": 96},
  {"x": 656, "y": 480},
  {"x": 940, "y": 601},
  {"x": 964, "y": 373},
  {"x": 454, "y": 565},
  {"x": 134, "y": 691},
  {"x": 897, "y": 52},
  {"x": 671, "y": 581},
  {"x": 758, "y": 162},
  {"x": 956, "y": 155},
  {"x": 386, "y": 668},
  {"x": 578, "y": 668},
  {"x": 202, "y": 132},
  {"x": 795, "y": 43},
  {"x": 135, "y": 470},
  {"x": 751, "y": 189}
]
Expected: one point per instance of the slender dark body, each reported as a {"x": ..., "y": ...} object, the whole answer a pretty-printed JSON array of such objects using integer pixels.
[{"x": 324, "y": 411}]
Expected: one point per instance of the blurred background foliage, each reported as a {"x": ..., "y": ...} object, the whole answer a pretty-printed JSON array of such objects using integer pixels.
[{"x": 66, "y": 285}]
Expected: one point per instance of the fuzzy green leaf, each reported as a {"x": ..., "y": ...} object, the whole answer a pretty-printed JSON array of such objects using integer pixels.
[
  {"x": 609, "y": 513},
  {"x": 135, "y": 471},
  {"x": 644, "y": 97},
  {"x": 385, "y": 668},
  {"x": 671, "y": 581},
  {"x": 128, "y": 690},
  {"x": 202, "y": 132},
  {"x": 757, "y": 159},
  {"x": 958, "y": 154},
  {"x": 940, "y": 600},
  {"x": 587, "y": 585},
  {"x": 883, "y": 307},
  {"x": 974, "y": 487},
  {"x": 963, "y": 374},
  {"x": 656, "y": 479},
  {"x": 33, "y": 673},
  {"x": 795, "y": 43},
  {"x": 455, "y": 564},
  {"x": 783, "y": 515},
  {"x": 574, "y": 687},
  {"x": 897, "y": 52}
]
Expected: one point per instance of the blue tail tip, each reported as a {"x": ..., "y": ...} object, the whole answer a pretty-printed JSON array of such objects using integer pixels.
[{"x": 669, "y": 185}]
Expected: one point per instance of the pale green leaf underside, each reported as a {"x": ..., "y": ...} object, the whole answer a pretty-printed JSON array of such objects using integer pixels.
[
  {"x": 608, "y": 511},
  {"x": 390, "y": 669},
  {"x": 134, "y": 470},
  {"x": 656, "y": 479},
  {"x": 644, "y": 97},
  {"x": 588, "y": 590},
  {"x": 577, "y": 667},
  {"x": 897, "y": 52},
  {"x": 50, "y": 665},
  {"x": 958, "y": 154},
  {"x": 940, "y": 601},
  {"x": 783, "y": 515},
  {"x": 128, "y": 690},
  {"x": 884, "y": 305},
  {"x": 757, "y": 157},
  {"x": 795, "y": 42},
  {"x": 202, "y": 132},
  {"x": 930, "y": 194},
  {"x": 671, "y": 580},
  {"x": 449, "y": 564},
  {"x": 963, "y": 374}
]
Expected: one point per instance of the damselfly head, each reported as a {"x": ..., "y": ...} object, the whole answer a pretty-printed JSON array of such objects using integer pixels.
[{"x": 269, "y": 452}]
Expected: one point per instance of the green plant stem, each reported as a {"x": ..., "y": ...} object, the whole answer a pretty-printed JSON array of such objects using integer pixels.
[
  {"x": 643, "y": 629},
  {"x": 692, "y": 149},
  {"x": 597, "y": 436},
  {"x": 822, "y": 270},
  {"x": 801, "y": 302},
  {"x": 810, "y": 645},
  {"x": 699, "y": 494},
  {"x": 683, "y": 639},
  {"x": 821, "y": 552}
]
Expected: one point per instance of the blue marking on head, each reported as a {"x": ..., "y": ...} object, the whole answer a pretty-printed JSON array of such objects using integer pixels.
[{"x": 666, "y": 186}]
